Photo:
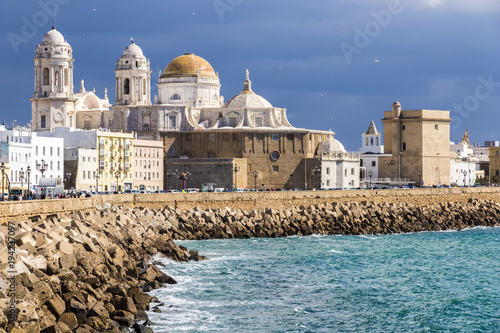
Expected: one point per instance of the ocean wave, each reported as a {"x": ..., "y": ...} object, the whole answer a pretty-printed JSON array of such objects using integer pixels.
[{"x": 335, "y": 251}]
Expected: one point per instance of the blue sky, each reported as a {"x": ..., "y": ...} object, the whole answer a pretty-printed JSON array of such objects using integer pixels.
[{"x": 333, "y": 64}]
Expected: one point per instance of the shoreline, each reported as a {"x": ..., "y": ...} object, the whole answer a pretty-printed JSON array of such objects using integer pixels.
[{"x": 90, "y": 271}]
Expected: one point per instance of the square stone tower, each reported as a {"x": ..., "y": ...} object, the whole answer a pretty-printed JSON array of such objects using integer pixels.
[{"x": 419, "y": 142}]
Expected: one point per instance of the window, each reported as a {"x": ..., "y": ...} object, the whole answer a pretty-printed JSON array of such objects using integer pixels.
[
  {"x": 88, "y": 174},
  {"x": 403, "y": 127},
  {"x": 211, "y": 137},
  {"x": 366, "y": 144},
  {"x": 374, "y": 163},
  {"x": 51, "y": 150},
  {"x": 233, "y": 121},
  {"x": 175, "y": 97},
  {"x": 260, "y": 136},
  {"x": 371, "y": 141},
  {"x": 275, "y": 137},
  {"x": 275, "y": 155},
  {"x": 87, "y": 124},
  {"x": 352, "y": 171},
  {"x": 45, "y": 76},
  {"x": 172, "y": 121},
  {"x": 83, "y": 174},
  {"x": 377, "y": 141},
  {"x": 235, "y": 137},
  {"x": 275, "y": 168},
  {"x": 58, "y": 165},
  {"x": 258, "y": 122},
  {"x": 188, "y": 137},
  {"x": 328, "y": 182},
  {"x": 43, "y": 151},
  {"x": 435, "y": 127},
  {"x": 58, "y": 151},
  {"x": 404, "y": 145},
  {"x": 126, "y": 87},
  {"x": 327, "y": 171},
  {"x": 289, "y": 136},
  {"x": 211, "y": 154},
  {"x": 43, "y": 121},
  {"x": 36, "y": 150}
]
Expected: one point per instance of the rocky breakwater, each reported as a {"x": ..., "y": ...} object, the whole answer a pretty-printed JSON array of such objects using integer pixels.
[
  {"x": 84, "y": 272},
  {"x": 335, "y": 218}
]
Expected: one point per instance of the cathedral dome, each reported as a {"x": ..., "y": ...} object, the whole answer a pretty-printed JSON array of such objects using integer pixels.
[
  {"x": 54, "y": 36},
  {"x": 330, "y": 146},
  {"x": 247, "y": 98},
  {"x": 133, "y": 50},
  {"x": 189, "y": 65}
]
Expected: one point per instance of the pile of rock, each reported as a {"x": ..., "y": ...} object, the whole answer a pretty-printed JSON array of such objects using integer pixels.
[
  {"x": 334, "y": 218},
  {"x": 90, "y": 271},
  {"x": 83, "y": 272}
]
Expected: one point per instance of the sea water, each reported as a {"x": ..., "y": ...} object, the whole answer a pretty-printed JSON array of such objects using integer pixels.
[{"x": 417, "y": 282}]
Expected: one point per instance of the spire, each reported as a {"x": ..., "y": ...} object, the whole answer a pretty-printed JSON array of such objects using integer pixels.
[
  {"x": 247, "y": 84},
  {"x": 372, "y": 129},
  {"x": 465, "y": 138}
]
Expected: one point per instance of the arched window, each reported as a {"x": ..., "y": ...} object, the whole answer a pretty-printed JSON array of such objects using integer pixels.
[
  {"x": 57, "y": 78},
  {"x": 377, "y": 142},
  {"x": 45, "y": 76},
  {"x": 371, "y": 141},
  {"x": 66, "y": 78},
  {"x": 126, "y": 87},
  {"x": 215, "y": 97},
  {"x": 175, "y": 97},
  {"x": 366, "y": 142}
]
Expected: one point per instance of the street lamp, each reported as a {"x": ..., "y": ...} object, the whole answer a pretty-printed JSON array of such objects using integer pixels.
[
  {"x": 465, "y": 177},
  {"x": 117, "y": 174},
  {"x": 170, "y": 173},
  {"x": 370, "y": 174},
  {"x": 255, "y": 175},
  {"x": 67, "y": 179},
  {"x": 42, "y": 167},
  {"x": 317, "y": 170},
  {"x": 236, "y": 169},
  {"x": 97, "y": 181},
  {"x": 2, "y": 168},
  {"x": 21, "y": 177},
  {"x": 419, "y": 178},
  {"x": 28, "y": 171}
]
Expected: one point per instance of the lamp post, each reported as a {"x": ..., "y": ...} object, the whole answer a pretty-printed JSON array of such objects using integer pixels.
[
  {"x": 117, "y": 174},
  {"x": 2, "y": 168},
  {"x": 465, "y": 177},
  {"x": 97, "y": 181},
  {"x": 255, "y": 175},
  {"x": 370, "y": 174},
  {"x": 21, "y": 178},
  {"x": 170, "y": 173},
  {"x": 67, "y": 179},
  {"x": 317, "y": 170},
  {"x": 42, "y": 167},
  {"x": 28, "y": 172},
  {"x": 236, "y": 169},
  {"x": 419, "y": 179}
]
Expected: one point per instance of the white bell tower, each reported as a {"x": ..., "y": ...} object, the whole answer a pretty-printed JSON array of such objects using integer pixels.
[
  {"x": 372, "y": 140},
  {"x": 53, "y": 100},
  {"x": 133, "y": 79}
]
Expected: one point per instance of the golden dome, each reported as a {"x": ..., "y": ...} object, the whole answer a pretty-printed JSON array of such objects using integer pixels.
[{"x": 189, "y": 65}]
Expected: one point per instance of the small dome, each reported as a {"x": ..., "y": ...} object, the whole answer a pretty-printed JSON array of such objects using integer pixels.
[
  {"x": 189, "y": 65},
  {"x": 54, "y": 36},
  {"x": 133, "y": 50},
  {"x": 248, "y": 100},
  {"x": 330, "y": 146}
]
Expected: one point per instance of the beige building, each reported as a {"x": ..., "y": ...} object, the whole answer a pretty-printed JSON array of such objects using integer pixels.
[
  {"x": 419, "y": 142},
  {"x": 494, "y": 155},
  {"x": 115, "y": 151},
  {"x": 148, "y": 165}
]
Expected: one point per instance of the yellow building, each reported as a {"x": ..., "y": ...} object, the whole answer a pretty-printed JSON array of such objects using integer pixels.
[
  {"x": 419, "y": 144},
  {"x": 115, "y": 161},
  {"x": 494, "y": 156}
]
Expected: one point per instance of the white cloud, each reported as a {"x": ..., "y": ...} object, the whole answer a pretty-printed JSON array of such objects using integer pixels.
[{"x": 464, "y": 5}]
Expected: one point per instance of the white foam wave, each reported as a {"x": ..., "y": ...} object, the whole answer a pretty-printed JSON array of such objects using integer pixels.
[{"x": 335, "y": 251}]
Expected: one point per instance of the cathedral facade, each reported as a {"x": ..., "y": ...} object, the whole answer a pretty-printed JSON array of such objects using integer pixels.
[{"x": 250, "y": 136}]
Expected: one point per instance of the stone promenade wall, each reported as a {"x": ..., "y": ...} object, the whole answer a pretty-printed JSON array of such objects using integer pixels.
[{"x": 246, "y": 200}]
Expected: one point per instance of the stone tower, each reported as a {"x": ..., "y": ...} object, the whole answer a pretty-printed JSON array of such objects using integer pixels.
[
  {"x": 133, "y": 77},
  {"x": 53, "y": 99}
]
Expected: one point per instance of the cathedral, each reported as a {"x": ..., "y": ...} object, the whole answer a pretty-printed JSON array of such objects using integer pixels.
[{"x": 245, "y": 142}]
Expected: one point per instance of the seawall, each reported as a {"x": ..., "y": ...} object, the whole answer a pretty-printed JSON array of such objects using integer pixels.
[{"x": 12, "y": 210}]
